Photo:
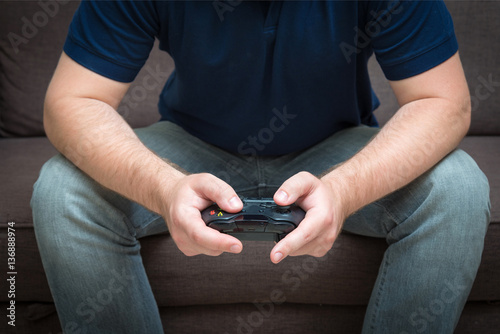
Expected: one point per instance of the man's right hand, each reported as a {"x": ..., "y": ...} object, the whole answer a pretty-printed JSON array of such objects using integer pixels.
[{"x": 181, "y": 209}]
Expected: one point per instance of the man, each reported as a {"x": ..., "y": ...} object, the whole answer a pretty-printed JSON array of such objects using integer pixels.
[{"x": 298, "y": 70}]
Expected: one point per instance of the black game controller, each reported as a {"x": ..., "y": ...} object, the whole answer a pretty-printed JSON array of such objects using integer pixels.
[{"x": 261, "y": 219}]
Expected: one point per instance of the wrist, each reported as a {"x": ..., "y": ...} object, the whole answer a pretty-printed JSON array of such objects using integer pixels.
[
  {"x": 165, "y": 188},
  {"x": 342, "y": 192}
]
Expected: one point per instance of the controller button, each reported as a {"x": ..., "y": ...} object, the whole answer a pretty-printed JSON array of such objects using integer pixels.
[{"x": 283, "y": 209}]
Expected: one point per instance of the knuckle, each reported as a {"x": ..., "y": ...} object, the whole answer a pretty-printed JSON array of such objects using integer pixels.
[
  {"x": 225, "y": 189},
  {"x": 307, "y": 177},
  {"x": 321, "y": 250},
  {"x": 302, "y": 181},
  {"x": 184, "y": 247},
  {"x": 196, "y": 236},
  {"x": 174, "y": 213},
  {"x": 202, "y": 179},
  {"x": 177, "y": 239},
  {"x": 306, "y": 174},
  {"x": 307, "y": 236},
  {"x": 214, "y": 186},
  {"x": 319, "y": 253},
  {"x": 213, "y": 253},
  {"x": 175, "y": 219},
  {"x": 190, "y": 253},
  {"x": 330, "y": 239}
]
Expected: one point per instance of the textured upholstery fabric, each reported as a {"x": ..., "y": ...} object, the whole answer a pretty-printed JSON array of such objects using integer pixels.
[
  {"x": 31, "y": 43},
  {"x": 478, "y": 34},
  {"x": 478, "y": 317},
  {"x": 486, "y": 151},
  {"x": 478, "y": 31},
  {"x": 22, "y": 158}
]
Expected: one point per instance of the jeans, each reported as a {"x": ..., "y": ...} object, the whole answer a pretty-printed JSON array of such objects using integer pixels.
[{"x": 88, "y": 235}]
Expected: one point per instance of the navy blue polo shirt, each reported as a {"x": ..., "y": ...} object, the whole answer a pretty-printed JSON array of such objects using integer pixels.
[{"x": 264, "y": 78}]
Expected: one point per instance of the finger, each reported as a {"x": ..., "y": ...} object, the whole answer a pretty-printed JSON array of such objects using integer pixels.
[
  {"x": 295, "y": 187},
  {"x": 214, "y": 189},
  {"x": 211, "y": 241},
  {"x": 295, "y": 241},
  {"x": 194, "y": 237}
]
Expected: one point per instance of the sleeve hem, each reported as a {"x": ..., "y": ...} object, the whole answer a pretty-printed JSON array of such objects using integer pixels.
[
  {"x": 98, "y": 63},
  {"x": 422, "y": 62}
]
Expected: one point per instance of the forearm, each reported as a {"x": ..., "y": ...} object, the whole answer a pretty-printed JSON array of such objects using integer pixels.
[
  {"x": 414, "y": 140},
  {"x": 97, "y": 140}
]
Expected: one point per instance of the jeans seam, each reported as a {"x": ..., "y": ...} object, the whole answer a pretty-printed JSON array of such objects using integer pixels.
[
  {"x": 389, "y": 214},
  {"x": 379, "y": 293},
  {"x": 141, "y": 231}
]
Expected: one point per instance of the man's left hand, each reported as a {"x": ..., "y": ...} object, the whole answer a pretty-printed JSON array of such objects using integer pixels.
[{"x": 323, "y": 221}]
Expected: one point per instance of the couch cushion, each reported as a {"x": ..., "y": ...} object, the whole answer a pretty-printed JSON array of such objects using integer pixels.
[
  {"x": 479, "y": 317},
  {"x": 343, "y": 277},
  {"x": 22, "y": 159}
]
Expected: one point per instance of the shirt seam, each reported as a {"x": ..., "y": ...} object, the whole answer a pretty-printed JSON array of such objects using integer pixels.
[
  {"x": 101, "y": 56},
  {"x": 420, "y": 54}
]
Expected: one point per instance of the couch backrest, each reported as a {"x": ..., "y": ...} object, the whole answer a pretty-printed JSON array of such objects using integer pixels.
[
  {"x": 477, "y": 25},
  {"x": 31, "y": 38},
  {"x": 32, "y": 34}
]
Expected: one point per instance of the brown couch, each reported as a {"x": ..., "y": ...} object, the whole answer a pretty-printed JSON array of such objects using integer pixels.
[{"x": 243, "y": 293}]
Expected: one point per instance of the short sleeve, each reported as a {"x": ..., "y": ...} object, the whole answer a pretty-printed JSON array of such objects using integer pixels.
[
  {"x": 409, "y": 37},
  {"x": 112, "y": 38}
]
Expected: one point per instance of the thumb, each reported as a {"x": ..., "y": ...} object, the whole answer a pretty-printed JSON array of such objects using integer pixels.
[
  {"x": 218, "y": 191},
  {"x": 295, "y": 187}
]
